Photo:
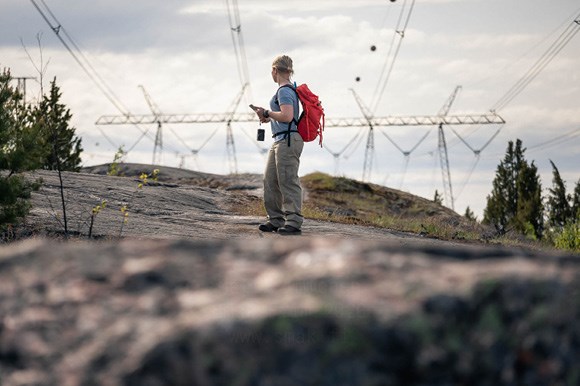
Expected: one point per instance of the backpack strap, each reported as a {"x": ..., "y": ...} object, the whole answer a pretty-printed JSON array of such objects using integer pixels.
[{"x": 289, "y": 131}]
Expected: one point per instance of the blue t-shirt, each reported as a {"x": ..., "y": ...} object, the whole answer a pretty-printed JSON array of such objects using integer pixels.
[{"x": 284, "y": 96}]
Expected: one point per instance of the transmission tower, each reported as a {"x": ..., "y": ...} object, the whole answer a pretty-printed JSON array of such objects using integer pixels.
[
  {"x": 21, "y": 85},
  {"x": 230, "y": 144},
  {"x": 158, "y": 146},
  {"x": 157, "y": 117},
  {"x": 231, "y": 149},
  {"x": 370, "y": 147},
  {"x": 442, "y": 147},
  {"x": 445, "y": 173},
  {"x": 369, "y": 155}
]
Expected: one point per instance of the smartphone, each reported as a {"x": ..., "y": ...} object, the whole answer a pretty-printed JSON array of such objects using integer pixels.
[{"x": 253, "y": 107}]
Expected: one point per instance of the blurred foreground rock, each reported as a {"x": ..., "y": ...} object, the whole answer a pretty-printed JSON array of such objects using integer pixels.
[{"x": 286, "y": 311}]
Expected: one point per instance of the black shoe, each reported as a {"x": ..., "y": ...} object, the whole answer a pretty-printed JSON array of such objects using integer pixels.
[
  {"x": 288, "y": 230},
  {"x": 267, "y": 227}
]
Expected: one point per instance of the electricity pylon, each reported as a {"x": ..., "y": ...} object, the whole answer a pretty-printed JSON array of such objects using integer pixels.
[
  {"x": 230, "y": 144},
  {"x": 442, "y": 147},
  {"x": 159, "y": 118},
  {"x": 21, "y": 85},
  {"x": 370, "y": 148},
  {"x": 158, "y": 146}
]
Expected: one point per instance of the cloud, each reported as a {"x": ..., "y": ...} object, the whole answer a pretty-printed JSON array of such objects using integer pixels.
[{"x": 120, "y": 26}]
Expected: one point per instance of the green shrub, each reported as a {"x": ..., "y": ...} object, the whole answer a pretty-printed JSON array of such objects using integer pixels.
[
  {"x": 15, "y": 193},
  {"x": 568, "y": 237}
]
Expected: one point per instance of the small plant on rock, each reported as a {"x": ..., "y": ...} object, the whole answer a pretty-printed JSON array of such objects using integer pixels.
[
  {"x": 118, "y": 159},
  {"x": 144, "y": 179},
  {"x": 94, "y": 212}
]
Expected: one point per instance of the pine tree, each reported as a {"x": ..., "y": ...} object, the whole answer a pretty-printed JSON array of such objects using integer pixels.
[
  {"x": 558, "y": 203},
  {"x": 576, "y": 203},
  {"x": 501, "y": 205},
  {"x": 31, "y": 138},
  {"x": 469, "y": 214},
  {"x": 15, "y": 190},
  {"x": 529, "y": 215},
  {"x": 515, "y": 201},
  {"x": 438, "y": 198},
  {"x": 63, "y": 147},
  {"x": 27, "y": 149},
  {"x": 10, "y": 101}
]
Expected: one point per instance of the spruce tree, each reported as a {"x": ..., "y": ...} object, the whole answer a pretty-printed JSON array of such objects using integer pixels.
[
  {"x": 27, "y": 147},
  {"x": 469, "y": 214},
  {"x": 63, "y": 147},
  {"x": 558, "y": 203},
  {"x": 529, "y": 215},
  {"x": 501, "y": 205},
  {"x": 515, "y": 201},
  {"x": 15, "y": 190},
  {"x": 438, "y": 198},
  {"x": 576, "y": 203},
  {"x": 10, "y": 106}
]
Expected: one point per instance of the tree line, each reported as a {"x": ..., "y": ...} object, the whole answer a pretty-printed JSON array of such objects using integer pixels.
[{"x": 516, "y": 202}]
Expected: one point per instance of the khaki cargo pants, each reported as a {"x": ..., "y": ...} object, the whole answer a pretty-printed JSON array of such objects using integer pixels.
[{"x": 282, "y": 190}]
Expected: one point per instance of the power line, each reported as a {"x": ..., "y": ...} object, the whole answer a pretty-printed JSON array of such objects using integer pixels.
[
  {"x": 387, "y": 57},
  {"x": 502, "y": 70},
  {"x": 86, "y": 61},
  {"x": 77, "y": 54},
  {"x": 337, "y": 154},
  {"x": 553, "y": 50},
  {"x": 558, "y": 45},
  {"x": 401, "y": 34},
  {"x": 476, "y": 153},
  {"x": 556, "y": 141},
  {"x": 406, "y": 154},
  {"x": 360, "y": 138},
  {"x": 380, "y": 81},
  {"x": 235, "y": 24},
  {"x": 470, "y": 173},
  {"x": 57, "y": 29},
  {"x": 143, "y": 134}
]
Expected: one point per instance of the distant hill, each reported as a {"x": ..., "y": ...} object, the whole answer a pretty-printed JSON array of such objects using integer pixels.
[{"x": 346, "y": 200}]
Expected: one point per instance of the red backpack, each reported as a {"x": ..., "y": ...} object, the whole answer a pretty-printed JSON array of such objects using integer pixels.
[{"x": 311, "y": 121}]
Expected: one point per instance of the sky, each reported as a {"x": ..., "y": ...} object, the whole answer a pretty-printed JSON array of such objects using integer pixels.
[{"x": 186, "y": 57}]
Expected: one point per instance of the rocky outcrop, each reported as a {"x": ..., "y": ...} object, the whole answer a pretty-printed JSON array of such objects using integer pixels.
[
  {"x": 168, "y": 208},
  {"x": 285, "y": 311},
  {"x": 182, "y": 204}
]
